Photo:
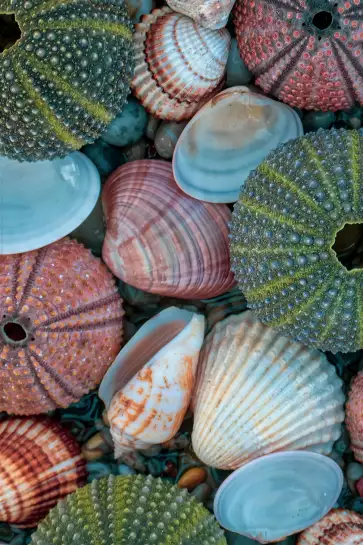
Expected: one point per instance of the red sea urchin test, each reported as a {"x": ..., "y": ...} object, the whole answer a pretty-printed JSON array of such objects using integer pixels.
[
  {"x": 308, "y": 53},
  {"x": 283, "y": 230},
  {"x": 65, "y": 78}
]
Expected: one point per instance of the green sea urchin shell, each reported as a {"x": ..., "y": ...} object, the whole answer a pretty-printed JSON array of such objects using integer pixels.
[
  {"x": 132, "y": 510},
  {"x": 283, "y": 229},
  {"x": 66, "y": 78}
]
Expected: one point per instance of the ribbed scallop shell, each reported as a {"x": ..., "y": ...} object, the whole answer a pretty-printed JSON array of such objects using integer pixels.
[
  {"x": 208, "y": 13},
  {"x": 148, "y": 388},
  {"x": 132, "y": 510},
  {"x": 258, "y": 392},
  {"x": 159, "y": 239},
  {"x": 179, "y": 65},
  {"x": 354, "y": 416},
  {"x": 40, "y": 463},
  {"x": 60, "y": 326},
  {"x": 338, "y": 527}
]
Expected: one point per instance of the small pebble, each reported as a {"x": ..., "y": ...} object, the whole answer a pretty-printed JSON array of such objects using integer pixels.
[
  {"x": 135, "y": 152},
  {"x": 137, "y": 8},
  {"x": 353, "y": 474},
  {"x": 313, "y": 121},
  {"x": 167, "y": 137},
  {"x": 202, "y": 492},
  {"x": 170, "y": 469},
  {"x": 359, "y": 487},
  {"x": 92, "y": 231},
  {"x": 237, "y": 71},
  {"x": 106, "y": 158},
  {"x": 129, "y": 126},
  {"x": 354, "y": 122},
  {"x": 95, "y": 447},
  {"x": 192, "y": 478},
  {"x": 123, "y": 469},
  {"x": 152, "y": 126}
]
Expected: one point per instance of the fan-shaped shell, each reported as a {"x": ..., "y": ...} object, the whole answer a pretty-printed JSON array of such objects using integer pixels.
[
  {"x": 148, "y": 388},
  {"x": 159, "y": 239},
  {"x": 60, "y": 326},
  {"x": 208, "y": 13},
  {"x": 40, "y": 463},
  {"x": 136, "y": 510},
  {"x": 339, "y": 527},
  {"x": 227, "y": 139},
  {"x": 354, "y": 416},
  {"x": 258, "y": 392},
  {"x": 308, "y": 54},
  {"x": 179, "y": 65}
]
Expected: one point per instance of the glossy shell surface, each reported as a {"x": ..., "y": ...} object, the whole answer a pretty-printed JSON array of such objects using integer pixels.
[
  {"x": 258, "y": 393},
  {"x": 40, "y": 463},
  {"x": 159, "y": 239},
  {"x": 60, "y": 327},
  {"x": 227, "y": 139},
  {"x": 208, "y": 13},
  {"x": 179, "y": 65},
  {"x": 148, "y": 388}
]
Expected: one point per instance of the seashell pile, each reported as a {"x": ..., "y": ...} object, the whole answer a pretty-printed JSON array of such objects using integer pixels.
[
  {"x": 179, "y": 65},
  {"x": 208, "y": 13},
  {"x": 159, "y": 239},
  {"x": 135, "y": 509},
  {"x": 258, "y": 392},
  {"x": 60, "y": 326},
  {"x": 227, "y": 139},
  {"x": 40, "y": 463},
  {"x": 148, "y": 388}
]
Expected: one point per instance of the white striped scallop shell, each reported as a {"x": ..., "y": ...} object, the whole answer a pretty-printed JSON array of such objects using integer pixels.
[
  {"x": 258, "y": 393},
  {"x": 179, "y": 65},
  {"x": 40, "y": 463},
  {"x": 338, "y": 527},
  {"x": 159, "y": 239},
  {"x": 208, "y": 13}
]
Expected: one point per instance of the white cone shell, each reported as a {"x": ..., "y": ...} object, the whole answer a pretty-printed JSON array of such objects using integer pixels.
[
  {"x": 146, "y": 399},
  {"x": 258, "y": 392}
]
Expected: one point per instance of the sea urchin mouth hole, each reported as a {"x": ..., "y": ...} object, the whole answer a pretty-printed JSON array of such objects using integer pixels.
[
  {"x": 322, "y": 20},
  {"x": 15, "y": 332},
  {"x": 348, "y": 245},
  {"x": 10, "y": 32}
]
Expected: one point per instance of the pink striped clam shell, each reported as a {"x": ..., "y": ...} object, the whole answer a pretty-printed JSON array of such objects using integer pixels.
[
  {"x": 40, "y": 463},
  {"x": 208, "y": 13},
  {"x": 338, "y": 527},
  {"x": 354, "y": 416},
  {"x": 179, "y": 65},
  {"x": 159, "y": 239}
]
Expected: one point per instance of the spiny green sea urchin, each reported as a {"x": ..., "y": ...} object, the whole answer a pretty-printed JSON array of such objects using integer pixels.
[
  {"x": 66, "y": 77},
  {"x": 282, "y": 236},
  {"x": 132, "y": 510}
]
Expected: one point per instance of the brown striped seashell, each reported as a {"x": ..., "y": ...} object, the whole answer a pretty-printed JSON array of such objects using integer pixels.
[
  {"x": 354, "y": 416},
  {"x": 159, "y": 239},
  {"x": 208, "y": 13},
  {"x": 179, "y": 65},
  {"x": 338, "y": 527},
  {"x": 40, "y": 463}
]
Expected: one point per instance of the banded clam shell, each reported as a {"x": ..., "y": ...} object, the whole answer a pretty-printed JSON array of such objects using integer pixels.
[
  {"x": 339, "y": 527},
  {"x": 258, "y": 393},
  {"x": 354, "y": 416},
  {"x": 40, "y": 463},
  {"x": 159, "y": 239},
  {"x": 179, "y": 65},
  {"x": 148, "y": 388}
]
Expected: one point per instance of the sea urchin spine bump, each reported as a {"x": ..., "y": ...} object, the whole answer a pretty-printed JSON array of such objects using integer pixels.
[
  {"x": 66, "y": 77},
  {"x": 283, "y": 232}
]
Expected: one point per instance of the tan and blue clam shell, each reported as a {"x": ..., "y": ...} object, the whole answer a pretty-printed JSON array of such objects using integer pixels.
[
  {"x": 40, "y": 463},
  {"x": 162, "y": 241},
  {"x": 258, "y": 392},
  {"x": 208, "y": 13},
  {"x": 227, "y": 139},
  {"x": 148, "y": 388},
  {"x": 179, "y": 65}
]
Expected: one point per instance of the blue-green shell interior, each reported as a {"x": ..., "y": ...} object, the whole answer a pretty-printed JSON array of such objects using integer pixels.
[
  {"x": 283, "y": 229},
  {"x": 66, "y": 77}
]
